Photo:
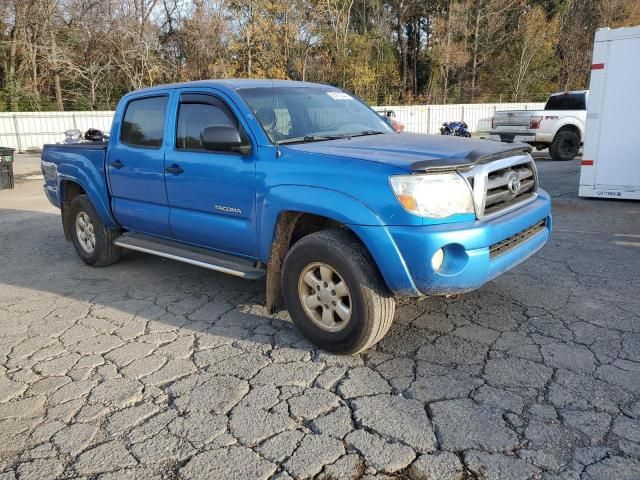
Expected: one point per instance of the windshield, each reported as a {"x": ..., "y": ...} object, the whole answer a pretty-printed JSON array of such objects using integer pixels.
[{"x": 307, "y": 114}]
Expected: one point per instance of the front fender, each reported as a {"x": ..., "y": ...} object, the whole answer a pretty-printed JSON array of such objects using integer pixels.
[
  {"x": 93, "y": 183},
  {"x": 347, "y": 210}
]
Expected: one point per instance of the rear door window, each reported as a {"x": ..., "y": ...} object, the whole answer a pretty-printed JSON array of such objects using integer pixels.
[
  {"x": 143, "y": 124},
  {"x": 567, "y": 101}
]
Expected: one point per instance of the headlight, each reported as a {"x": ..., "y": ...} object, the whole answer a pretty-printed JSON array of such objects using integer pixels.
[{"x": 437, "y": 195}]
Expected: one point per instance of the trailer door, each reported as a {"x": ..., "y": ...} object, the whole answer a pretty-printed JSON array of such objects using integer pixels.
[{"x": 617, "y": 161}]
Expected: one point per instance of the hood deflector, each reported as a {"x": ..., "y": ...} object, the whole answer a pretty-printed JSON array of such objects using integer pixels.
[{"x": 474, "y": 157}]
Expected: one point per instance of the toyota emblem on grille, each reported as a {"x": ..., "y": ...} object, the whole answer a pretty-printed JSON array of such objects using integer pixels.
[{"x": 513, "y": 184}]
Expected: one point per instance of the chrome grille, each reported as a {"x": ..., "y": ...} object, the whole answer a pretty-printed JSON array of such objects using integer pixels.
[
  {"x": 503, "y": 184},
  {"x": 510, "y": 243},
  {"x": 509, "y": 186}
]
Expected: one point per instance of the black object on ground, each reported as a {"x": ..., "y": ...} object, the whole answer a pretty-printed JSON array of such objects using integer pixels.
[{"x": 6, "y": 168}]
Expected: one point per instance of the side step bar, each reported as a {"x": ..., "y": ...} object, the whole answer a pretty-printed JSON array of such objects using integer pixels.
[{"x": 192, "y": 255}]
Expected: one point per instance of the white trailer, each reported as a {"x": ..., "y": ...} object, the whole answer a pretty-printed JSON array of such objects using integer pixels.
[{"x": 611, "y": 161}]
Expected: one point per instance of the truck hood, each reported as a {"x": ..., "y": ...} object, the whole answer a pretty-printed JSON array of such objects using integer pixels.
[{"x": 414, "y": 151}]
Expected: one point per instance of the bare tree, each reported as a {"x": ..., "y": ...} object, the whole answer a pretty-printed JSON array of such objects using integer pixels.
[{"x": 69, "y": 54}]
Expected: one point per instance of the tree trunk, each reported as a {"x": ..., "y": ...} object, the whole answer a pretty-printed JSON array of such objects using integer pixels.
[
  {"x": 416, "y": 56},
  {"x": 474, "y": 68},
  {"x": 56, "y": 72},
  {"x": 447, "y": 57},
  {"x": 11, "y": 77},
  {"x": 248, "y": 52},
  {"x": 403, "y": 58}
]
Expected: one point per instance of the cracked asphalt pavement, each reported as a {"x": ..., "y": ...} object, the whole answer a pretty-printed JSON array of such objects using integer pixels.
[{"x": 156, "y": 369}]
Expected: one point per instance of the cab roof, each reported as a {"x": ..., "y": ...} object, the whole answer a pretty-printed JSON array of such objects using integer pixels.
[
  {"x": 568, "y": 92},
  {"x": 235, "y": 84}
]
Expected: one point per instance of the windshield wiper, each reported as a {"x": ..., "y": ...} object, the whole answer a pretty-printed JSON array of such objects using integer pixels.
[
  {"x": 320, "y": 138},
  {"x": 310, "y": 138},
  {"x": 366, "y": 132}
]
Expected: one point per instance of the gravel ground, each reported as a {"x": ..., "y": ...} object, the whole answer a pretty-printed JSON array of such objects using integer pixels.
[{"x": 156, "y": 369}]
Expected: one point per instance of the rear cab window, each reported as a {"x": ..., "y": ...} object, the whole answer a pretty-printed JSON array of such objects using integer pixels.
[
  {"x": 143, "y": 123},
  {"x": 567, "y": 101}
]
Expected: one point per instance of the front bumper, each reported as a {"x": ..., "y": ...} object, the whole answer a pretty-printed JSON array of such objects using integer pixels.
[{"x": 468, "y": 261}]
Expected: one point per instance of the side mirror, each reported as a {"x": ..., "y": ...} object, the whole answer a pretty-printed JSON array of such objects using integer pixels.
[{"x": 223, "y": 138}]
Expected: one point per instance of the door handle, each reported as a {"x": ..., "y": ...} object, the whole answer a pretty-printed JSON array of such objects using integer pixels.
[
  {"x": 175, "y": 169},
  {"x": 117, "y": 164}
]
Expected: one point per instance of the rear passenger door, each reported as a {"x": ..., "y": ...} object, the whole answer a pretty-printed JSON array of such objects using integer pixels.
[
  {"x": 211, "y": 194},
  {"x": 136, "y": 166}
]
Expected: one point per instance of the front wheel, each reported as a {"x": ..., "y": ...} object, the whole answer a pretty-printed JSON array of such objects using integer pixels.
[
  {"x": 335, "y": 294},
  {"x": 565, "y": 145},
  {"x": 92, "y": 241}
]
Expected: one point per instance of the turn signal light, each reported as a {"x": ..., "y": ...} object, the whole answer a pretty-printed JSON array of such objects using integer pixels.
[{"x": 408, "y": 202}]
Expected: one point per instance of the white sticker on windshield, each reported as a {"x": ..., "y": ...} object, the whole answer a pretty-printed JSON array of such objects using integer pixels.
[{"x": 339, "y": 95}]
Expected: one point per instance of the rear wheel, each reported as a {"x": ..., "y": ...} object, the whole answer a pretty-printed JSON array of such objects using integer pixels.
[
  {"x": 335, "y": 294},
  {"x": 92, "y": 241},
  {"x": 565, "y": 145}
]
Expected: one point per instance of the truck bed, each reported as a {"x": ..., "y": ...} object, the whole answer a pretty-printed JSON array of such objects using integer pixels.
[{"x": 83, "y": 163}]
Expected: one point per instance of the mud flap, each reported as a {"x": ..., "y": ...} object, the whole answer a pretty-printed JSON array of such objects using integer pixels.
[{"x": 279, "y": 248}]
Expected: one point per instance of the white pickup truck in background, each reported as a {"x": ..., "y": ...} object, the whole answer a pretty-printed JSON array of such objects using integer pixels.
[{"x": 559, "y": 127}]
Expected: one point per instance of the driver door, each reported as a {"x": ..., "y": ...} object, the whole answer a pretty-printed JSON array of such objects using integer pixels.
[{"x": 211, "y": 194}]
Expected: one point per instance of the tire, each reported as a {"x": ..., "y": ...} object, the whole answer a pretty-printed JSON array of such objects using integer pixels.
[
  {"x": 104, "y": 252},
  {"x": 565, "y": 145},
  {"x": 368, "y": 299}
]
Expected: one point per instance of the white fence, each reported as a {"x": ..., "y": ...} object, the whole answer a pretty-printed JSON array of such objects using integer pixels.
[
  {"x": 429, "y": 118},
  {"x": 26, "y": 131}
]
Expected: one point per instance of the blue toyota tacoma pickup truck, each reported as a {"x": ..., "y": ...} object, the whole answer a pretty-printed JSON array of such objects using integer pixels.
[{"x": 306, "y": 185}]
